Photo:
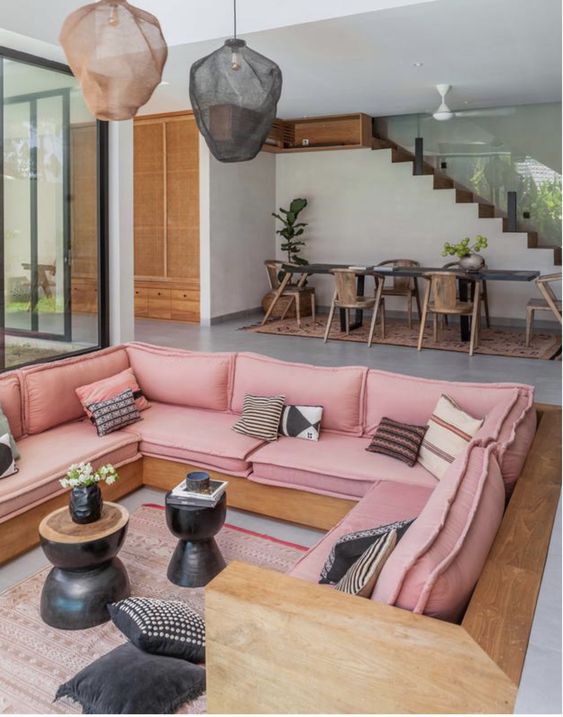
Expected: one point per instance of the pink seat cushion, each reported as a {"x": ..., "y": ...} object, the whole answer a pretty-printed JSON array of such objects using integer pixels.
[
  {"x": 10, "y": 400},
  {"x": 183, "y": 378},
  {"x": 46, "y": 457},
  {"x": 384, "y": 503},
  {"x": 192, "y": 435},
  {"x": 49, "y": 390},
  {"x": 339, "y": 391},
  {"x": 436, "y": 565},
  {"x": 335, "y": 465},
  {"x": 506, "y": 408}
]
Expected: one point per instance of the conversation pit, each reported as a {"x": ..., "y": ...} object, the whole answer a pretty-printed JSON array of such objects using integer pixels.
[{"x": 462, "y": 581}]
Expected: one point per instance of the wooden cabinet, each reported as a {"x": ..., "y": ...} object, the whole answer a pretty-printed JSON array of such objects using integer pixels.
[
  {"x": 311, "y": 134},
  {"x": 167, "y": 217}
]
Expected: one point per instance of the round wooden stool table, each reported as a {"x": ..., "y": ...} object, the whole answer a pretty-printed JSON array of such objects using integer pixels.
[{"x": 87, "y": 575}]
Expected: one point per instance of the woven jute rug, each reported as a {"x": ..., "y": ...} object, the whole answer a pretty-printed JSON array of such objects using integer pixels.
[
  {"x": 492, "y": 342},
  {"x": 35, "y": 658}
]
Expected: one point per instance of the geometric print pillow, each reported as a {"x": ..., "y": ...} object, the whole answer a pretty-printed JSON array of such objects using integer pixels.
[
  {"x": 361, "y": 577},
  {"x": 115, "y": 413},
  {"x": 161, "y": 627},
  {"x": 398, "y": 440},
  {"x": 351, "y": 546},
  {"x": 449, "y": 432},
  {"x": 301, "y": 422},
  {"x": 7, "y": 463}
]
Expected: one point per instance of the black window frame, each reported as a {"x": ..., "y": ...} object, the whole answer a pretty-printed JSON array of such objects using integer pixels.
[{"x": 102, "y": 201}]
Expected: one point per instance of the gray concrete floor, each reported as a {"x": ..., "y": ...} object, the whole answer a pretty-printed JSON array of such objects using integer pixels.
[{"x": 540, "y": 689}]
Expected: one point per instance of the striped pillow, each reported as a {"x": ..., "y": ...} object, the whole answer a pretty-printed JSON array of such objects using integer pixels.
[
  {"x": 449, "y": 432},
  {"x": 360, "y": 579},
  {"x": 261, "y": 417},
  {"x": 398, "y": 440}
]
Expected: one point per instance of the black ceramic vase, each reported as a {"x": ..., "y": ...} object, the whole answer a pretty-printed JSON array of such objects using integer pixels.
[{"x": 86, "y": 504}]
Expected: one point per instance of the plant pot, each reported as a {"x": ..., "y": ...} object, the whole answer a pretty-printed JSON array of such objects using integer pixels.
[
  {"x": 86, "y": 504},
  {"x": 282, "y": 305},
  {"x": 472, "y": 262}
]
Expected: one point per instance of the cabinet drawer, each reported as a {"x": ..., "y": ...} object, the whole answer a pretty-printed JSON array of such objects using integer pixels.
[
  {"x": 185, "y": 295},
  {"x": 185, "y": 310},
  {"x": 159, "y": 303}
]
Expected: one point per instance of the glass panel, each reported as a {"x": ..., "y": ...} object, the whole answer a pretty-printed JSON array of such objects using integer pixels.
[
  {"x": 50, "y": 237},
  {"x": 495, "y": 151}
]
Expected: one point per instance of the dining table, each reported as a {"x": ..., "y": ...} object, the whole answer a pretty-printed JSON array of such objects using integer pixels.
[{"x": 465, "y": 281}]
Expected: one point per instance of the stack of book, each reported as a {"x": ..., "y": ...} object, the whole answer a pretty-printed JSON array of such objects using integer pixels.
[{"x": 180, "y": 495}]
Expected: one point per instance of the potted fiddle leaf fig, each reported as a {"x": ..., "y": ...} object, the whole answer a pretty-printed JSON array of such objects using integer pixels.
[
  {"x": 292, "y": 231},
  {"x": 467, "y": 253}
]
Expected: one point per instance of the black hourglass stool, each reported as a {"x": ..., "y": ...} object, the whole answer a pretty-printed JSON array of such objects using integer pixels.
[{"x": 197, "y": 558}]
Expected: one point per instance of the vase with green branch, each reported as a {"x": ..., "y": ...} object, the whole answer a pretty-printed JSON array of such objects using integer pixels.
[
  {"x": 467, "y": 253},
  {"x": 292, "y": 231}
]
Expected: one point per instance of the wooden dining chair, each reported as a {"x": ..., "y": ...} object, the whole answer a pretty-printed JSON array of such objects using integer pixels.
[
  {"x": 406, "y": 286},
  {"x": 346, "y": 297},
  {"x": 441, "y": 299},
  {"x": 484, "y": 296},
  {"x": 550, "y": 302},
  {"x": 284, "y": 288}
]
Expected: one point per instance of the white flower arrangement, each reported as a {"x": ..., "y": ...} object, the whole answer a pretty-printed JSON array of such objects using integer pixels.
[{"x": 82, "y": 475}]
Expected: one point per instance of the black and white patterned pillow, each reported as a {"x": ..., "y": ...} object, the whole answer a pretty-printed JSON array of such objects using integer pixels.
[
  {"x": 114, "y": 413},
  {"x": 7, "y": 464},
  {"x": 162, "y": 627},
  {"x": 260, "y": 417},
  {"x": 352, "y": 546},
  {"x": 301, "y": 422},
  {"x": 360, "y": 579}
]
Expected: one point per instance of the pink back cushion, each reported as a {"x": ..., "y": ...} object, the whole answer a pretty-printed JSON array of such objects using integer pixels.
[
  {"x": 505, "y": 407},
  {"x": 338, "y": 390},
  {"x": 183, "y": 378},
  {"x": 437, "y": 563},
  {"x": 110, "y": 387},
  {"x": 10, "y": 400},
  {"x": 49, "y": 390}
]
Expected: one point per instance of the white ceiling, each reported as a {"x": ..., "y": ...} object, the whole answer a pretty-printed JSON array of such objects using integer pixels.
[{"x": 493, "y": 52}]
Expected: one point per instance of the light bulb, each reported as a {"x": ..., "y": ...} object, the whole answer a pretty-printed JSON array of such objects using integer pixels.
[
  {"x": 236, "y": 60},
  {"x": 113, "y": 19}
]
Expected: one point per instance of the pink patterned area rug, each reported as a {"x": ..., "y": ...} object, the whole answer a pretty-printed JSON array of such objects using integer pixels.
[
  {"x": 492, "y": 342},
  {"x": 35, "y": 658}
]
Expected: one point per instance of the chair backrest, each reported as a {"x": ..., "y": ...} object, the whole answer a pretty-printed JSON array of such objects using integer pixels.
[
  {"x": 345, "y": 284},
  {"x": 544, "y": 285},
  {"x": 273, "y": 268},
  {"x": 443, "y": 289},
  {"x": 401, "y": 282}
]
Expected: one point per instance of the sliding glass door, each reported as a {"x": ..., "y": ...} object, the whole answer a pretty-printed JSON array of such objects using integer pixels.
[{"x": 53, "y": 243}]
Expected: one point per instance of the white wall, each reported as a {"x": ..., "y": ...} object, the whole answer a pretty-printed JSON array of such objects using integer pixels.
[
  {"x": 364, "y": 209},
  {"x": 240, "y": 233}
]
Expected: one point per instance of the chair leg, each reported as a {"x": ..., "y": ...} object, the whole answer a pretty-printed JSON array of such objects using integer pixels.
[
  {"x": 288, "y": 307},
  {"x": 383, "y": 318},
  {"x": 486, "y": 305},
  {"x": 435, "y": 327},
  {"x": 347, "y": 313},
  {"x": 378, "y": 304},
  {"x": 423, "y": 317},
  {"x": 417, "y": 298},
  {"x": 330, "y": 317},
  {"x": 281, "y": 288},
  {"x": 475, "y": 320},
  {"x": 298, "y": 309},
  {"x": 529, "y": 324},
  {"x": 409, "y": 310},
  {"x": 314, "y": 307}
]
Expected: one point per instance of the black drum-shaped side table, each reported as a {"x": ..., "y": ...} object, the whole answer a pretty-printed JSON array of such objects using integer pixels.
[
  {"x": 87, "y": 575},
  {"x": 197, "y": 558}
]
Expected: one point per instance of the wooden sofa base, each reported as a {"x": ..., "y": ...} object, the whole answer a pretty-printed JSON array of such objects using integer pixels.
[{"x": 276, "y": 644}]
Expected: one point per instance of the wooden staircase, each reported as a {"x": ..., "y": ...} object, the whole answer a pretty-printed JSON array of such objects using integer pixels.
[{"x": 462, "y": 194}]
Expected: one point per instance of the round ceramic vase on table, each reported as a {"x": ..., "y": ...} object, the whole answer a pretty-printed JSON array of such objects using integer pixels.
[{"x": 86, "y": 574}]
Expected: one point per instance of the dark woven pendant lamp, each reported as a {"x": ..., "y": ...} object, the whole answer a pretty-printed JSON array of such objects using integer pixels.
[
  {"x": 117, "y": 52},
  {"x": 234, "y": 94}
]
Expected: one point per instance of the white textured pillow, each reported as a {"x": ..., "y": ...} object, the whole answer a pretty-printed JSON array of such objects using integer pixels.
[
  {"x": 7, "y": 463},
  {"x": 449, "y": 432}
]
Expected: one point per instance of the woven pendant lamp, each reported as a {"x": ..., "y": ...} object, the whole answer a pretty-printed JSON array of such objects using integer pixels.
[
  {"x": 117, "y": 52},
  {"x": 234, "y": 93}
]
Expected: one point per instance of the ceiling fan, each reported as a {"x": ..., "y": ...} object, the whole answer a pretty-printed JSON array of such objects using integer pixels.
[{"x": 444, "y": 113}]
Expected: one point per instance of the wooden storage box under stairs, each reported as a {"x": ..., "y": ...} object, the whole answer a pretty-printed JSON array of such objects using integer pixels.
[{"x": 313, "y": 134}]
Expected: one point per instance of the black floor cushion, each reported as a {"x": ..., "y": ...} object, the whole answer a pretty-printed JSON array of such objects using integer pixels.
[
  {"x": 130, "y": 681},
  {"x": 163, "y": 627}
]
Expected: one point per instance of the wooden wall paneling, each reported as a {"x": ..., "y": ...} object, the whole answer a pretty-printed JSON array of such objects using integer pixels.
[{"x": 149, "y": 209}]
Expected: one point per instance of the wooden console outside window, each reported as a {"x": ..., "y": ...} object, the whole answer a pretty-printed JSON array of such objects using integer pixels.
[{"x": 166, "y": 217}]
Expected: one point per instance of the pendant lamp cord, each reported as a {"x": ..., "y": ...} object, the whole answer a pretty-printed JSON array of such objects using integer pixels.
[{"x": 235, "y": 17}]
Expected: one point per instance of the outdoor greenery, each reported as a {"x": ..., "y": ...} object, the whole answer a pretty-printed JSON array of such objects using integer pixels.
[
  {"x": 464, "y": 247},
  {"x": 292, "y": 231}
]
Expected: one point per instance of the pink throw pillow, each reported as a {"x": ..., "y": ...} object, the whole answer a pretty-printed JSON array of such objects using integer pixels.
[{"x": 109, "y": 388}]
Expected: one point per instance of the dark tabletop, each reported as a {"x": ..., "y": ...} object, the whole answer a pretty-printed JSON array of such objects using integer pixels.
[{"x": 483, "y": 274}]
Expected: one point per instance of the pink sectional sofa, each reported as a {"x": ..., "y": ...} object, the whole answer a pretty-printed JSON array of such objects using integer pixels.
[{"x": 195, "y": 400}]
